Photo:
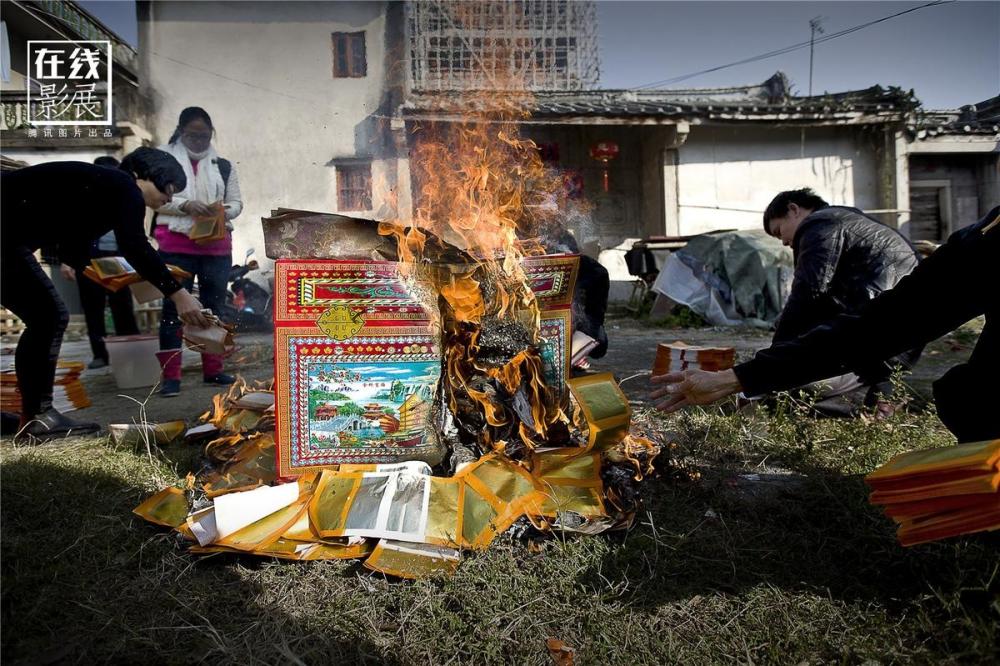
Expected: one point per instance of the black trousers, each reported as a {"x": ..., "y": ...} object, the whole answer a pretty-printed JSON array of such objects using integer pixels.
[
  {"x": 27, "y": 291},
  {"x": 93, "y": 298}
]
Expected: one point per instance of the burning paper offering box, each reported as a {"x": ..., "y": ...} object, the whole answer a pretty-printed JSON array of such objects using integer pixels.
[
  {"x": 358, "y": 358},
  {"x": 552, "y": 278},
  {"x": 356, "y": 366}
]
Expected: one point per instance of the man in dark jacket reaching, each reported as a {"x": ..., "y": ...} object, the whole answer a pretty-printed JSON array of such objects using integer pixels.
[
  {"x": 843, "y": 259},
  {"x": 956, "y": 284}
]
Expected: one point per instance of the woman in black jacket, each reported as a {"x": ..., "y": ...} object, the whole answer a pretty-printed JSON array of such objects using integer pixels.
[{"x": 73, "y": 204}]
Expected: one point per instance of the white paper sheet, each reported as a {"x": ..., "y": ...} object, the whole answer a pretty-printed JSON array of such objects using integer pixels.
[{"x": 235, "y": 511}]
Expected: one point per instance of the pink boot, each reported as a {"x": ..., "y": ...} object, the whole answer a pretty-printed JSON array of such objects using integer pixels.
[
  {"x": 170, "y": 366},
  {"x": 211, "y": 368}
]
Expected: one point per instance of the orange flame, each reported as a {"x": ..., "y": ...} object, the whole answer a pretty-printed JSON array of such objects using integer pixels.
[{"x": 477, "y": 187}]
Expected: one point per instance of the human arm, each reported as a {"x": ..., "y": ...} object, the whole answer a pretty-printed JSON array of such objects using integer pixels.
[
  {"x": 233, "y": 201},
  {"x": 68, "y": 272},
  {"x": 943, "y": 292},
  {"x": 819, "y": 246},
  {"x": 128, "y": 219}
]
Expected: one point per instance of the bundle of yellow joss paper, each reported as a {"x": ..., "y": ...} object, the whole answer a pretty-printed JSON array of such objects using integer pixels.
[
  {"x": 405, "y": 521},
  {"x": 115, "y": 273},
  {"x": 939, "y": 493}
]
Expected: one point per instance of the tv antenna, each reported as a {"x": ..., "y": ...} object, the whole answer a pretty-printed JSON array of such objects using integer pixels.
[{"x": 815, "y": 25}]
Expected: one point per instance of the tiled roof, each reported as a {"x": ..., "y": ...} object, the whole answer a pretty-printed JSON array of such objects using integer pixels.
[
  {"x": 766, "y": 101},
  {"x": 982, "y": 118}
]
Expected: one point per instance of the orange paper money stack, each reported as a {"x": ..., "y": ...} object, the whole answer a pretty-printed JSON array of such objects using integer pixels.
[
  {"x": 113, "y": 273},
  {"x": 677, "y": 356},
  {"x": 940, "y": 493},
  {"x": 67, "y": 392},
  {"x": 209, "y": 228}
]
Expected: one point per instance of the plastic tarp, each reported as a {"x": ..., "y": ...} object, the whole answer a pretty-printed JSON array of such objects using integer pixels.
[{"x": 730, "y": 278}]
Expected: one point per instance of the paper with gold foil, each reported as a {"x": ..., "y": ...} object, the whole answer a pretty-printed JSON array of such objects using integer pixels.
[
  {"x": 169, "y": 507},
  {"x": 332, "y": 500},
  {"x": 301, "y": 529},
  {"x": 509, "y": 489},
  {"x": 131, "y": 434},
  {"x": 390, "y": 502},
  {"x": 289, "y": 549},
  {"x": 260, "y": 534},
  {"x": 604, "y": 406},
  {"x": 234, "y": 511},
  {"x": 570, "y": 480},
  {"x": 478, "y": 516},
  {"x": 443, "y": 514},
  {"x": 413, "y": 560},
  {"x": 313, "y": 518},
  {"x": 253, "y": 465}
]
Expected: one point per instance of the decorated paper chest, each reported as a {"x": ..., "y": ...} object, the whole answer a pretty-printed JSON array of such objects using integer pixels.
[{"x": 358, "y": 359}]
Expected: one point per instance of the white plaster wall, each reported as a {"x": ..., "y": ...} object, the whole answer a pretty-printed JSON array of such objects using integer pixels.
[
  {"x": 264, "y": 72},
  {"x": 727, "y": 176}
]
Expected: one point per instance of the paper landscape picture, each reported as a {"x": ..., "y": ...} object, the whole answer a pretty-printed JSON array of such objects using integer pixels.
[{"x": 368, "y": 405}]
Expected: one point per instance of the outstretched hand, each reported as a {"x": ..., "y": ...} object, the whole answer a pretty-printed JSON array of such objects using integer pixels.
[{"x": 692, "y": 387}]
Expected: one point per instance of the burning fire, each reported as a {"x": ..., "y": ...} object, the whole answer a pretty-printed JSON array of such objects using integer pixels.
[{"x": 479, "y": 187}]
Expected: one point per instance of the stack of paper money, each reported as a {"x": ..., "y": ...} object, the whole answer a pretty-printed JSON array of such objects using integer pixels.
[
  {"x": 114, "y": 273},
  {"x": 677, "y": 356},
  {"x": 939, "y": 493},
  {"x": 67, "y": 392}
]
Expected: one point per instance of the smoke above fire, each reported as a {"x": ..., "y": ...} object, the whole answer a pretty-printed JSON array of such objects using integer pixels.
[{"x": 481, "y": 194}]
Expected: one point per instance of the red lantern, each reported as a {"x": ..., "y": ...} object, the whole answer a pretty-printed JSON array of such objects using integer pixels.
[{"x": 604, "y": 152}]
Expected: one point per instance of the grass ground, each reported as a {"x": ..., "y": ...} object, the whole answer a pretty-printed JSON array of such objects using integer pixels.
[{"x": 789, "y": 566}]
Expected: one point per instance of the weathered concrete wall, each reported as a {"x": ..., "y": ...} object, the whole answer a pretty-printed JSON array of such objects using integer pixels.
[
  {"x": 973, "y": 180},
  {"x": 726, "y": 176},
  {"x": 264, "y": 72}
]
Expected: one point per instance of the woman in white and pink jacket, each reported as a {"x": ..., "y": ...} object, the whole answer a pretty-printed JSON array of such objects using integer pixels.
[{"x": 210, "y": 179}]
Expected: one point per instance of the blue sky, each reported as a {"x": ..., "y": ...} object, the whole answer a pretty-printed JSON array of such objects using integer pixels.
[{"x": 949, "y": 54}]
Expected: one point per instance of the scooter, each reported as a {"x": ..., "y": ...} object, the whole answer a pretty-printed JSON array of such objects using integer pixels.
[{"x": 248, "y": 305}]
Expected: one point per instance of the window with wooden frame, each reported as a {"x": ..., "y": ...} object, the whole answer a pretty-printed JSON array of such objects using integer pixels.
[
  {"x": 354, "y": 187},
  {"x": 349, "y": 55}
]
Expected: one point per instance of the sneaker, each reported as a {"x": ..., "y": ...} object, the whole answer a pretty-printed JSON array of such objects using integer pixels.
[
  {"x": 51, "y": 425},
  {"x": 98, "y": 363},
  {"x": 170, "y": 388},
  {"x": 221, "y": 379}
]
